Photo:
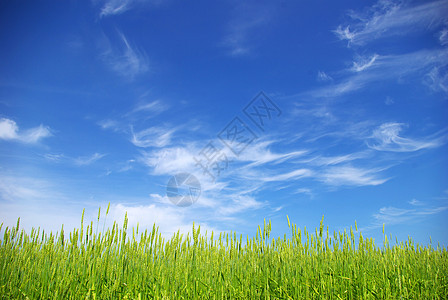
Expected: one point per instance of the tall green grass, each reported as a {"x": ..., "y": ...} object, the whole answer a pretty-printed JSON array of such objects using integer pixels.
[{"x": 87, "y": 264}]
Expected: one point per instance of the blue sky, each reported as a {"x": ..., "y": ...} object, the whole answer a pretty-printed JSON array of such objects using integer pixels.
[{"x": 104, "y": 101}]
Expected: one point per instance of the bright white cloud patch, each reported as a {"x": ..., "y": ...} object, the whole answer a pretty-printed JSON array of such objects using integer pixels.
[{"x": 10, "y": 131}]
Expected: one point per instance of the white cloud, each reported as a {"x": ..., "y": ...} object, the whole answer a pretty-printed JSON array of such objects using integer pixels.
[
  {"x": 169, "y": 161},
  {"x": 21, "y": 188},
  {"x": 437, "y": 79},
  {"x": 248, "y": 19},
  {"x": 391, "y": 18},
  {"x": 393, "y": 215},
  {"x": 296, "y": 174},
  {"x": 156, "y": 106},
  {"x": 334, "y": 160},
  {"x": 87, "y": 160},
  {"x": 152, "y": 137},
  {"x": 344, "y": 33},
  {"x": 443, "y": 37},
  {"x": 363, "y": 63},
  {"x": 305, "y": 191},
  {"x": 79, "y": 161},
  {"x": 322, "y": 76},
  {"x": 115, "y": 7},
  {"x": 258, "y": 153},
  {"x": 348, "y": 175},
  {"x": 389, "y": 100},
  {"x": 381, "y": 68},
  {"x": 118, "y": 7},
  {"x": 415, "y": 202},
  {"x": 108, "y": 124},
  {"x": 386, "y": 138},
  {"x": 10, "y": 131},
  {"x": 239, "y": 204},
  {"x": 54, "y": 157},
  {"x": 125, "y": 59},
  {"x": 168, "y": 218}
]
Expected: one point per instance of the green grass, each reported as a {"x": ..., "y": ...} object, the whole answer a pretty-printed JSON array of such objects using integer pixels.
[{"x": 85, "y": 264}]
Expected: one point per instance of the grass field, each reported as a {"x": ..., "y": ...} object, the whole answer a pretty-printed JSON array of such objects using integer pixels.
[{"x": 122, "y": 263}]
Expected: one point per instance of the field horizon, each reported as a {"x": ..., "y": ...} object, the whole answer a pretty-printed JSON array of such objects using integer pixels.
[{"x": 128, "y": 263}]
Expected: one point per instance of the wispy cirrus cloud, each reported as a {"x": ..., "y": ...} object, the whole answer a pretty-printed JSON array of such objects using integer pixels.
[
  {"x": 322, "y": 76},
  {"x": 363, "y": 63},
  {"x": 124, "y": 58},
  {"x": 437, "y": 79},
  {"x": 292, "y": 175},
  {"x": 391, "y": 18},
  {"x": 14, "y": 188},
  {"x": 141, "y": 112},
  {"x": 249, "y": 18},
  {"x": 9, "y": 131},
  {"x": 115, "y": 7},
  {"x": 155, "y": 107},
  {"x": 241, "y": 203},
  {"x": 259, "y": 153},
  {"x": 118, "y": 7},
  {"x": 387, "y": 19},
  {"x": 351, "y": 176},
  {"x": 79, "y": 161},
  {"x": 415, "y": 202},
  {"x": 109, "y": 124},
  {"x": 319, "y": 160},
  {"x": 386, "y": 138},
  {"x": 152, "y": 137},
  {"x": 88, "y": 160},
  {"x": 382, "y": 68},
  {"x": 170, "y": 160},
  {"x": 394, "y": 215},
  {"x": 443, "y": 37}
]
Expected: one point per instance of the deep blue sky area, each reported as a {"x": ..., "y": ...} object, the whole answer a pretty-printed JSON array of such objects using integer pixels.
[{"x": 298, "y": 108}]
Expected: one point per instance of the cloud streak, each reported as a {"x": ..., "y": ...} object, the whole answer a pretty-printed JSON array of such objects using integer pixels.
[
  {"x": 115, "y": 7},
  {"x": 382, "y": 68},
  {"x": 152, "y": 137},
  {"x": 351, "y": 176},
  {"x": 392, "y": 215},
  {"x": 88, "y": 160},
  {"x": 248, "y": 19},
  {"x": 118, "y": 7},
  {"x": 79, "y": 161},
  {"x": 392, "y": 18},
  {"x": 125, "y": 59},
  {"x": 386, "y": 138}
]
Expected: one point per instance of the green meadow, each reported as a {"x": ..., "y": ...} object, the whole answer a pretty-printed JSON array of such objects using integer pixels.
[{"x": 126, "y": 263}]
